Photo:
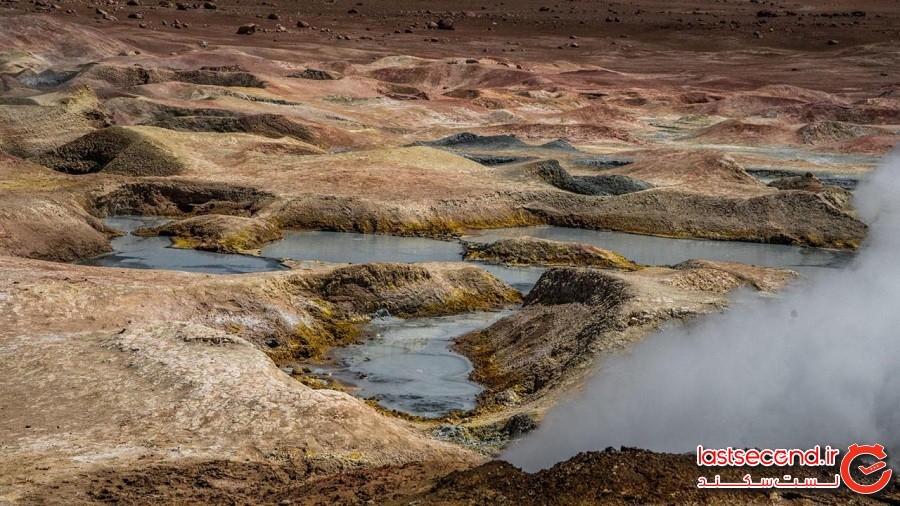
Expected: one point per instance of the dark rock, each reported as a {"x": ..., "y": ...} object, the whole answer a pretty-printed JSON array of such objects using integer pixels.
[
  {"x": 248, "y": 29},
  {"x": 302, "y": 24},
  {"x": 614, "y": 184},
  {"x": 318, "y": 75},
  {"x": 107, "y": 16},
  {"x": 446, "y": 24},
  {"x": 519, "y": 424}
]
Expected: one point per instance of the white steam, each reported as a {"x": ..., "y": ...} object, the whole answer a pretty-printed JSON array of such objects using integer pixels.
[{"x": 819, "y": 365}]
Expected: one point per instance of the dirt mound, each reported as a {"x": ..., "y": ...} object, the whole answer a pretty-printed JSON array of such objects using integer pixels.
[
  {"x": 575, "y": 315},
  {"x": 837, "y": 196},
  {"x": 124, "y": 77},
  {"x": 768, "y": 216},
  {"x": 766, "y": 99},
  {"x": 707, "y": 171},
  {"x": 532, "y": 251},
  {"x": 471, "y": 141},
  {"x": 267, "y": 125},
  {"x": 723, "y": 277},
  {"x": 806, "y": 182},
  {"x": 822, "y": 132},
  {"x": 532, "y": 350},
  {"x": 183, "y": 197},
  {"x": 113, "y": 150},
  {"x": 452, "y": 75},
  {"x": 735, "y": 131},
  {"x": 414, "y": 289},
  {"x": 877, "y": 145},
  {"x": 217, "y": 232},
  {"x": 402, "y": 92},
  {"x": 50, "y": 228},
  {"x": 582, "y": 133},
  {"x": 46, "y": 78},
  {"x": 603, "y": 114},
  {"x": 47, "y": 122},
  {"x": 853, "y": 113},
  {"x": 492, "y": 160},
  {"x": 629, "y": 476},
  {"x": 552, "y": 173},
  {"x": 318, "y": 75},
  {"x": 135, "y": 111}
]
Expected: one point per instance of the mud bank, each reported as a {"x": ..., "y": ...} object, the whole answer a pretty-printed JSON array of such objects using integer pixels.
[
  {"x": 183, "y": 335},
  {"x": 573, "y": 316}
]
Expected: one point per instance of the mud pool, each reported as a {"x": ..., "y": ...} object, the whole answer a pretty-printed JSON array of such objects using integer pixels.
[
  {"x": 135, "y": 252},
  {"x": 407, "y": 364},
  {"x": 651, "y": 250}
]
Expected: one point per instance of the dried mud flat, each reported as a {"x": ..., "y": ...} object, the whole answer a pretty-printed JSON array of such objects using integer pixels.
[{"x": 154, "y": 386}]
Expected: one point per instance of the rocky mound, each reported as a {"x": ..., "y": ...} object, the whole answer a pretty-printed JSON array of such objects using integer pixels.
[
  {"x": 574, "y": 315},
  {"x": 402, "y": 92},
  {"x": 735, "y": 131},
  {"x": 318, "y": 75},
  {"x": 874, "y": 114},
  {"x": 533, "y": 251},
  {"x": 707, "y": 171},
  {"x": 726, "y": 276},
  {"x": 217, "y": 232},
  {"x": 628, "y": 476},
  {"x": 29, "y": 127},
  {"x": 768, "y": 216},
  {"x": 415, "y": 289},
  {"x": 121, "y": 76},
  {"x": 136, "y": 111},
  {"x": 585, "y": 133},
  {"x": 267, "y": 125},
  {"x": 50, "y": 228},
  {"x": 113, "y": 150},
  {"x": 183, "y": 197},
  {"x": 493, "y": 160},
  {"x": 837, "y": 196},
  {"x": 551, "y": 172},
  {"x": 468, "y": 141},
  {"x": 823, "y": 132}
]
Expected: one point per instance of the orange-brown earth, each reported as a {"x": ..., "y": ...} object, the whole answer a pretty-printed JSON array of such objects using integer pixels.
[{"x": 645, "y": 116}]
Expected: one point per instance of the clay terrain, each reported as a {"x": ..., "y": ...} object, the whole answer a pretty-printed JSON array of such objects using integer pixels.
[{"x": 242, "y": 122}]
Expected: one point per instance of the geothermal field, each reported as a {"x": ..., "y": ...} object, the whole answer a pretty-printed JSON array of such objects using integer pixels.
[{"x": 473, "y": 252}]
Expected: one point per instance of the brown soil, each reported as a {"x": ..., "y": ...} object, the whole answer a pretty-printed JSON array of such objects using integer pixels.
[{"x": 531, "y": 251}]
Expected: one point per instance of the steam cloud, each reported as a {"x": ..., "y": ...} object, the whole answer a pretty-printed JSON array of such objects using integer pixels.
[{"x": 819, "y": 365}]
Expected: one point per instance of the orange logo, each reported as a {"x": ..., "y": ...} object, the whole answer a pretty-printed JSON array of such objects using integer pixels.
[{"x": 876, "y": 451}]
